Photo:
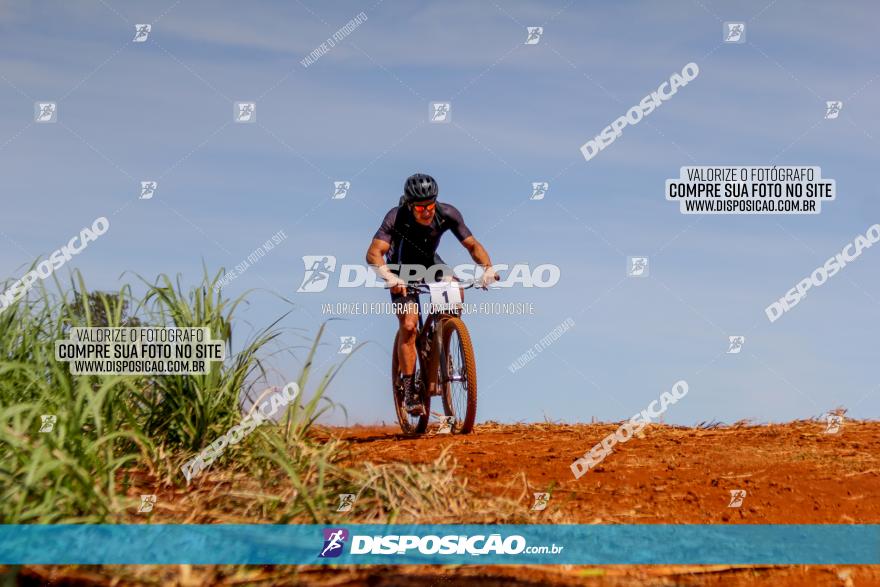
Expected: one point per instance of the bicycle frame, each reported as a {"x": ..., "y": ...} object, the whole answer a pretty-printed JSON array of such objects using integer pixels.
[
  {"x": 430, "y": 338},
  {"x": 441, "y": 371}
]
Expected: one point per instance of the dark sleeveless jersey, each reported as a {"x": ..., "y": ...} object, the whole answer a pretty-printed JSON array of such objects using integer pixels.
[{"x": 415, "y": 244}]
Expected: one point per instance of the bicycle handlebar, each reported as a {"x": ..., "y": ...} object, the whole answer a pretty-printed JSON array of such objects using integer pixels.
[{"x": 423, "y": 287}]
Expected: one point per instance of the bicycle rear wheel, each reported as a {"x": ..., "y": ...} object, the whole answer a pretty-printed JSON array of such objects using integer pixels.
[
  {"x": 458, "y": 376},
  {"x": 408, "y": 423}
]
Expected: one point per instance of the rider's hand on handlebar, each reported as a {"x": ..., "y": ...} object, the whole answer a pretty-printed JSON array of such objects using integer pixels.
[
  {"x": 397, "y": 286},
  {"x": 489, "y": 277}
]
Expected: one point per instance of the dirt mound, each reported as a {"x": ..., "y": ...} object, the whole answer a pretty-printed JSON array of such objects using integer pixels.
[
  {"x": 795, "y": 473},
  {"x": 792, "y": 473}
]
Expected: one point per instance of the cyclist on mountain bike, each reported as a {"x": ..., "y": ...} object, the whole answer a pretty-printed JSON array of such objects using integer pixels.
[{"x": 410, "y": 235}]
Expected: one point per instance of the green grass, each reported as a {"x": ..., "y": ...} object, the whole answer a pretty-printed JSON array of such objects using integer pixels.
[{"x": 109, "y": 424}]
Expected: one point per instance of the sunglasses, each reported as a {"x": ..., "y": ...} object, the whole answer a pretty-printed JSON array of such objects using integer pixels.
[{"x": 422, "y": 207}]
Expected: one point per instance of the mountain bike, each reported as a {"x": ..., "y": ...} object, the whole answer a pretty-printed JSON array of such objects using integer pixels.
[{"x": 445, "y": 365}]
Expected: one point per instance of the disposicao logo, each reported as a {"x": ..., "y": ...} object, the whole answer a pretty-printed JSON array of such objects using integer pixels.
[{"x": 334, "y": 540}]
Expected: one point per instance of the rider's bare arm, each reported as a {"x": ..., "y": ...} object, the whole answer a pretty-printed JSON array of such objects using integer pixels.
[
  {"x": 376, "y": 260},
  {"x": 481, "y": 256},
  {"x": 477, "y": 252}
]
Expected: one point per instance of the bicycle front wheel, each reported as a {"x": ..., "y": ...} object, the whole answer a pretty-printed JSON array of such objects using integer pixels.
[{"x": 458, "y": 376}]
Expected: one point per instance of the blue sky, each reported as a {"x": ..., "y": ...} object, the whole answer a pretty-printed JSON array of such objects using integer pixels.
[{"x": 162, "y": 110}]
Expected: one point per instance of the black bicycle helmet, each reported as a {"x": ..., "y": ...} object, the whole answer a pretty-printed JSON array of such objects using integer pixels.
[{"x": 419, "y": 187}]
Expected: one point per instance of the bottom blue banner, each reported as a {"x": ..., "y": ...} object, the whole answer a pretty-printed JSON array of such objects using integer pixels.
[{"x": 357, "y": 544}]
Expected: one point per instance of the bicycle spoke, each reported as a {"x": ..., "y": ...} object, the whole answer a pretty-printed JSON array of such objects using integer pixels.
[{"x": 457, "y": 381}]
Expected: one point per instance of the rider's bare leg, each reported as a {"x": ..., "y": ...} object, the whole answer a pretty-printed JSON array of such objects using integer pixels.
[{"x": 406, "y": 339}]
